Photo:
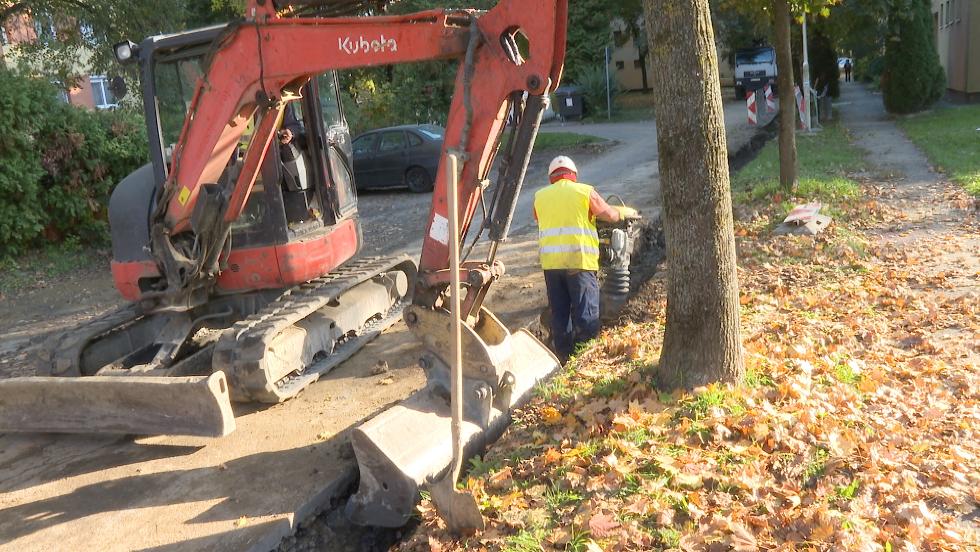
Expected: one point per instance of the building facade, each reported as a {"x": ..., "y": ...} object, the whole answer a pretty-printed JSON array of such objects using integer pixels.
[
  {"x": 88, "y": 91},
  {"x": 628, "y": 67},
  {"x": 956, "y": 29}
]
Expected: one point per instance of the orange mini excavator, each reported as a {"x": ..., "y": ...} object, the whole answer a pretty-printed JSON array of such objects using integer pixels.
[{"x": 239, "y": 254}]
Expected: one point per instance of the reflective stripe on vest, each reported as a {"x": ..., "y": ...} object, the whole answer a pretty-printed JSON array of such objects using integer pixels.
[{"x": 567, "y": 236}]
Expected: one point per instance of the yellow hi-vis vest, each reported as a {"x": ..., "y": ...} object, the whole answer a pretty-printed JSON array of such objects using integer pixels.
[{"x": 567, "y": 237}]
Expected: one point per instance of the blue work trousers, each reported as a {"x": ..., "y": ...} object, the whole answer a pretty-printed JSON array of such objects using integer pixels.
[{"x": 574, "y": 299}]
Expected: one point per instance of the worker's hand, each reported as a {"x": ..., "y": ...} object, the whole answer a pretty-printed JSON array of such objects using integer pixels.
[
  {"x": 285, "y": 136},
  {"x": 626, "y": 212}
]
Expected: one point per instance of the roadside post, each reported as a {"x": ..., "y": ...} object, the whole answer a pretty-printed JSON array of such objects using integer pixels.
[
  {"x": 805, "y": 112},
  {"x": 770, "y": 100}
]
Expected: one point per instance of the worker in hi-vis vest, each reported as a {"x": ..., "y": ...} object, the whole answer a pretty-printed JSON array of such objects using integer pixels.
[{"x": 568, "y": 246}]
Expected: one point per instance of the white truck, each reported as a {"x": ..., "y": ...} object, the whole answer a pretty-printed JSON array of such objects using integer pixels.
[{"x": 754, "y": 68}]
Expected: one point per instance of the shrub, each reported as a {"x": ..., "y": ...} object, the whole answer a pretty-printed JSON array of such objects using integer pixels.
[
  {"x": 913, "y": 78},
  {"x": 593, "y": 84},
  {"x": 59, "y": 164},
  {"x": 824, "y": 71},
  {"x": 84, "y": 155},
  {"x": 21, "y": 118},
  {"x": 869, "y": 69}
]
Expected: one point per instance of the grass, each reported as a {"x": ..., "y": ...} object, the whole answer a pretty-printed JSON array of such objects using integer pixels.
[
  {"x": 527, "y": 540},
  {"x": 52, "y": 261},
  {"x": 825, "y": 160},
  {"x": 816, "y": 466},
  {"x": 557, "y": 498},
  {"x": 556, "y": 140},
  {"x": 627, "y": 106},
  {"x": 951, "y": 140}
]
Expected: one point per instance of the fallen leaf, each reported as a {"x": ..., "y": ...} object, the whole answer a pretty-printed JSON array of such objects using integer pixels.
[{"x": 603, "y": 525}]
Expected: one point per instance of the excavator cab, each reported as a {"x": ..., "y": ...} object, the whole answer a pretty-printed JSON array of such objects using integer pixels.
[{"x": 300, "y": 219}]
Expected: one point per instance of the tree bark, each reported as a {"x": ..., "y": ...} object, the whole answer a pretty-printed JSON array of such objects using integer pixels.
[
  {"x": 701, "y": 341},
  {"x": 787, "y": 97}
]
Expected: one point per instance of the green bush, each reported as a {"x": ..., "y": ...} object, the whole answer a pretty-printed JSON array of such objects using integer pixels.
[
  {"x": 869, "y": 69},
  {"x": 593, "y": 84},
  {"x": 84, "y": 155},
  {"x": 59, "y": 164},
  {"x": 22, "y": 216},
  {"x": 824, "y": 71},
  {"x": 913, "y": 79}
]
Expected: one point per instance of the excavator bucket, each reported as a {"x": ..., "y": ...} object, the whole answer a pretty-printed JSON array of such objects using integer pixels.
[
  {"x": 191, "y": 405},
  {"x": 409, "y": 445}
]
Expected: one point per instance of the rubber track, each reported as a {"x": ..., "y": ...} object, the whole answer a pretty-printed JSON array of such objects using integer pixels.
[
  {"x": 61, "y": 354},
  {"x": 241, "y": 349},
  {"x": 291, "y": 385}
]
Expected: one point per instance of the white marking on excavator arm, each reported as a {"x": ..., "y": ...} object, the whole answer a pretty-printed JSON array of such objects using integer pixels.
[{"x": 439, "y": 230}]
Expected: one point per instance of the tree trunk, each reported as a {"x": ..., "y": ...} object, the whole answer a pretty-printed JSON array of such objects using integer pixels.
[
  {"x": 701, "y": 343},
  {"x": 787, "y": 97}
]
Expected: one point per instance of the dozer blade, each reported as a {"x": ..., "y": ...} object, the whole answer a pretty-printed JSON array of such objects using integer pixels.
[
  {"x": 141, "y": 405},
  {"x": 410, "y": 444}
]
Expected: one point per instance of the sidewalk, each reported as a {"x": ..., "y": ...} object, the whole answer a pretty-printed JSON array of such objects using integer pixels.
[{"x": 935, "y": 228}]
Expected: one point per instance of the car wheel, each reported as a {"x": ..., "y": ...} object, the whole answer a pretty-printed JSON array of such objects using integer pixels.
[{"x": 418, "y": 180}]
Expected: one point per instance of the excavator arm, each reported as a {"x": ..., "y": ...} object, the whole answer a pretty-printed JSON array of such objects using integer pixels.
[{"x": 262, "y": 62}]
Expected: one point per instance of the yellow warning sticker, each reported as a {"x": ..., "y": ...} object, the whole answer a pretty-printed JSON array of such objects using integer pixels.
[{"x": 184, "y": 195}]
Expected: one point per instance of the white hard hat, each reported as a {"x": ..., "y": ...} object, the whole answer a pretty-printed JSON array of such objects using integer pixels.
[{"x": 562, "y": 162}]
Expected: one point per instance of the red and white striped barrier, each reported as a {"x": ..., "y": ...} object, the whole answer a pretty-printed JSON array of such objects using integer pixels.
[
  {"x": 750, "y": 105},
  {"x": 770, "y": 100},
  {"x": 801, "y": 106}
]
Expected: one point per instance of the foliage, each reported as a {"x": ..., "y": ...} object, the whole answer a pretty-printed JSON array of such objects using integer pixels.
[
  {"x": 588, "y": 34},
  {"x": 824, "y": 71},
  {"x": 593, "y": 84},
  {"x": 60, "y": 164},
  {"x": 21, "y": 214},
  {"x": 415, "y": 93},
  {"x": 738, "y": 28},
  {"x": 84, "y": 155},
  {"x": 92, "y": 25},
  {"x": 869, "y": 69},
  {"x": 913, "y": 79},
  {"x": 949, "y": 137}
]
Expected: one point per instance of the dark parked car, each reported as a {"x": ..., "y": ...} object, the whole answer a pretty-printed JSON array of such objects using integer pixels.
[{"x": 405, "y": 155}]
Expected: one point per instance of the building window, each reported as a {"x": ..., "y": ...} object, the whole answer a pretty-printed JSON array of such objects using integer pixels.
[
  {"x": 620, "y": 65},
  {"x": 44, "y": 27},
  {"x": 101, "y": 95},
  {"x": 637, "y": 64}
]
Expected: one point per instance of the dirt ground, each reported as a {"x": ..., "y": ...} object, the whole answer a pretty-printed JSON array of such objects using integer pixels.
[{"x": 180, "y": 494}]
